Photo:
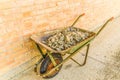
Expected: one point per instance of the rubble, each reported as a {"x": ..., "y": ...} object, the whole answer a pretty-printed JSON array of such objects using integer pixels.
[{"x": 65, "y": 39}]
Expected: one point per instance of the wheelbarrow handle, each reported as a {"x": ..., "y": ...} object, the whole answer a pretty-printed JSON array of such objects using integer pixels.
[
  {"x": 104, "y": 25},
  {"x": 77, "y": 19}
]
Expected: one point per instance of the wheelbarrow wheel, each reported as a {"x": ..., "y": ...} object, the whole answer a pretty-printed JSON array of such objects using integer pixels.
[{"x": 47, "y": 65}]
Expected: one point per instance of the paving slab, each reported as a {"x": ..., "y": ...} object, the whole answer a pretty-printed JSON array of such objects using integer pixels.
[
  {"x": 93, "y": 70},
  {"x": 106, "y": 46}
]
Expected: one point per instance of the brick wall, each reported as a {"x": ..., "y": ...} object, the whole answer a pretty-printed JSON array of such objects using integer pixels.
[{"x": 19, "y": 19}]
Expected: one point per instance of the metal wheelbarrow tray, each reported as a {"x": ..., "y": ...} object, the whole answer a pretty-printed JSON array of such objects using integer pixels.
[
  {"x": 52, "y": 60},
  {"x": 38, "y": 38}
]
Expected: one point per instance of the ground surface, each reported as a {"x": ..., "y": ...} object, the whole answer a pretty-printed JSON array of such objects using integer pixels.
[{"x": 103, "y": 62}]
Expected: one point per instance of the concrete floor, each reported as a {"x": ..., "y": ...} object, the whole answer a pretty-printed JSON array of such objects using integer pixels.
[{"x": 103, "y": 62}]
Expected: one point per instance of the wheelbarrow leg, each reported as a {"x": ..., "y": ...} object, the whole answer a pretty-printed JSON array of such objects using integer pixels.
[
  {"x": 85, "y": 59},
  {"x": 41, "y": 52},
  {"x": 40, "y": 60}
]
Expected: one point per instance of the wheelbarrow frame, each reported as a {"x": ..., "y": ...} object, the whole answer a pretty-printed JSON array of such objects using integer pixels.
[{"x": 72, "y": 51}]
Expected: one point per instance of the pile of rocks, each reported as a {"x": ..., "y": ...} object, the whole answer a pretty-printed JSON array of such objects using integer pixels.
[{"x": 66, "y": 38}]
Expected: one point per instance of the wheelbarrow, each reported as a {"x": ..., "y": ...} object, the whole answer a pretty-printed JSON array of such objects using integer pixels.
[{"x": 52, "y": 59}]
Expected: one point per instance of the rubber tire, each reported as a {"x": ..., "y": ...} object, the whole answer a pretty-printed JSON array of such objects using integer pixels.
[{"x": 47, "y": 61}]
